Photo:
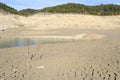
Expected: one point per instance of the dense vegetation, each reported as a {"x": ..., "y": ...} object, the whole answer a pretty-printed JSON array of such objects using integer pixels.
[
  {"x": 7, "y": 9},
  {"x": 108, "y": 9},
  {"x": 28, "y": 12}
]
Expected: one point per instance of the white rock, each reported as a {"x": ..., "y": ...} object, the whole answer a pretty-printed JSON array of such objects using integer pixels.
[{"x": 40, "y": 67}]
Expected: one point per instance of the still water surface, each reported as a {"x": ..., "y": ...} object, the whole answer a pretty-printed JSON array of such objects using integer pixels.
[{"x": 20, "y": 42}]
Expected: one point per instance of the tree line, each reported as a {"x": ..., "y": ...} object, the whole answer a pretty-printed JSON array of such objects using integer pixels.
[
  {"x": 7, "y": 9},
  {"x": 103, "y": 9}
]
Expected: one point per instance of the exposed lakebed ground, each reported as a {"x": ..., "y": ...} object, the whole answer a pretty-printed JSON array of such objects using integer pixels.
[{"x": 96, "y": 59}]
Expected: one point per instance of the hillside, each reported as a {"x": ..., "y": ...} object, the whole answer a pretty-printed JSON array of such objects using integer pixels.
[
  {"x": 7, "y": 9},
  {"x": 10, "y": 21},
  {"x": 59, "y": 21},
  {"x": 108, "y": 9},
  {"x": 27, "y": 12},
  {"x": 41, "y": 21},
  {"x": 103, "y": 9}
]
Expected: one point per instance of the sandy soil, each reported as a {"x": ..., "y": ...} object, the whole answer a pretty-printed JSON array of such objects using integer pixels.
[
  {"x": 82, "y": 60},
  {"x": 59, "y": 21},
  {"x": 95, "y": 57}
]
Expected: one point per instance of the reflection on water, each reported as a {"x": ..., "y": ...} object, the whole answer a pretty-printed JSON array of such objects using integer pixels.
[
  {"x": 19, "y": 42},
  {"x": 22, "y": 41}
]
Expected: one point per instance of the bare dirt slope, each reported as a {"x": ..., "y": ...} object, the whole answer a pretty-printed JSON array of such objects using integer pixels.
[
  {"x": 8, "y": 21},
  {"x": 57, "y": 21}
]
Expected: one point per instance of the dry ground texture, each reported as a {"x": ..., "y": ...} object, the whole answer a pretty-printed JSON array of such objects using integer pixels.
[
  {"x": 92, "y": 58},
  {"x": 57, "y": 21}
]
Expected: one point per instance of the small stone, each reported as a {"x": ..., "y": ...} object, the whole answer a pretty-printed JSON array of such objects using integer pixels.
[{"x": 41, "y": 67}]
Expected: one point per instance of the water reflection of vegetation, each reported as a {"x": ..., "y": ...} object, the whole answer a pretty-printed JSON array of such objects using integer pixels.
[{"x": 19, "y": 42}]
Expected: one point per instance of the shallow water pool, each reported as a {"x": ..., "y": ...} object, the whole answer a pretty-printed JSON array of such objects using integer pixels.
[
  {"x": 20, "y": 42},
  {"x": 7, "y": 42}
]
